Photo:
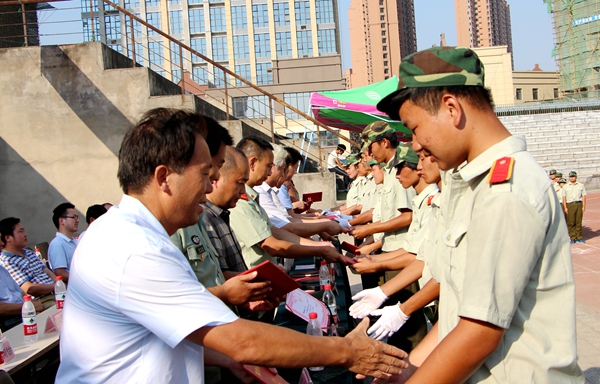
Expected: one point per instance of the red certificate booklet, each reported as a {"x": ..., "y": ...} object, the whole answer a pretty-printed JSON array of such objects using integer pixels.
[
  {"x": 264, "y": 375},
  {"x": 281, "y": 283},
  {"x": 312, "y": 197}
]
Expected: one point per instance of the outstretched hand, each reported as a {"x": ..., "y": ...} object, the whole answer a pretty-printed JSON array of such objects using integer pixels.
[
  {"x": 373, "y": 358},
  {"x": 239, "y": 289}
]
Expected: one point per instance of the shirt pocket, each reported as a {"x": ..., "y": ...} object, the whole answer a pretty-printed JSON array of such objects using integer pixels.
[
  {"x": 388, "y": 198},
  {"x": 455, "y": 259}
]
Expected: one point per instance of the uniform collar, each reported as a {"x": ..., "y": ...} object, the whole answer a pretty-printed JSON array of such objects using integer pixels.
[
  {"x": 427, "y": 191},
  {"x": 484, "y": 162},
  {"x": 251, "y": 193}
]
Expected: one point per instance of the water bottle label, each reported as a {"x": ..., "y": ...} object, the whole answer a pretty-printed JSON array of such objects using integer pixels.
[
  {"x": 60, "y": 300},
  {"x": 29, "y": 326},
  {"x": 334, "y": 313},
  {"x": 323, "y": 283}
]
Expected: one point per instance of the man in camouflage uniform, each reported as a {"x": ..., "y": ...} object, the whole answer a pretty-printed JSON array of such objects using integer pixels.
[{"x": 503, "y": 259}]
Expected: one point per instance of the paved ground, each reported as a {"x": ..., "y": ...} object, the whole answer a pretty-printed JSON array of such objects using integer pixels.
[{"x": 586, "y": 267}]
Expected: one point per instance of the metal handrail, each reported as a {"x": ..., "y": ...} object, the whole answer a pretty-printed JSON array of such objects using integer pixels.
[{"x": 182, "y": 46}]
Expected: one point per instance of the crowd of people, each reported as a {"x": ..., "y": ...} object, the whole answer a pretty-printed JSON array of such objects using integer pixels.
[{"x": 461, "y": 243}]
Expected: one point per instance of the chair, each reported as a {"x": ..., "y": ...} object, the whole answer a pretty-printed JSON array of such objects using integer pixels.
[
  {"x": 43, "y": 247},
  {"x": 5, "y": 378}
]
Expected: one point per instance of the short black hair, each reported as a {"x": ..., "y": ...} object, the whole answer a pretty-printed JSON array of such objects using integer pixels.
[
  {"x": 430, "y": 98},
  {"x": 232, "y": 159},
  {"x": 341, "y": 147},
  {"x": 216, "y": 136},
  {"x": 254, "y": 146},
  {"x": 7, "y": 227},
  {"x": 293, "y": 156},
  {"x": 392, "y": 138},
  {"x": 162, "y": 137},
  {"x": 60, "y": 211},
  {"x": 94, "y": 212}
]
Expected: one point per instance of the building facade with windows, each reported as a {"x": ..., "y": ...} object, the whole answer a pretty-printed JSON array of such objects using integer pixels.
[
  {"x": 483, "y": 23},
  {"x": 382, "y": 32},
  {"x": 244, "y": 36}
]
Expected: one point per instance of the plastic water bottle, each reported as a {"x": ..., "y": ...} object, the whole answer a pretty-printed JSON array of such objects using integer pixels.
[
  {"x": 324, "y": 276},
  {"x": 60, "y": 292},
  {"x": 30, "y": 330},
  {"x": 329, "y": 300},
  {"x": 314, "y": 329}
]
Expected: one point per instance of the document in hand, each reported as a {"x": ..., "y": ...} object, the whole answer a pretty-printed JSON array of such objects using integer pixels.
[
  {"x": 264, "y": 375},
  {"x": 312, "y": 197},
  {"x": 301, "y": 304},
  {"x": 281, "y": 283}
]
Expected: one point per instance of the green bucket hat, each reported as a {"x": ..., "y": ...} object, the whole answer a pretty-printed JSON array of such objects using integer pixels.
[
  {"x": 434, "y": 67},
  {"x": 374, "y": 132},
  {"x": 406, "y": 154},
  {"x": 552, "y": 172},
  {"x": 352, "y": 160},
  {"x": 572, "y": 173}
]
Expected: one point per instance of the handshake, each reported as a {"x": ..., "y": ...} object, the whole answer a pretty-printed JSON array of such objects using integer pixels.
[{"x": 367, "y": 303}]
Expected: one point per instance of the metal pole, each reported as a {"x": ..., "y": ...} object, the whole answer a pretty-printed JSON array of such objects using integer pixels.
[
  {"x": 226, "y": 96},
  {"x": 92, "y": 20},
  {"x": 134, "y": 61},
  {"x": 271, "y": 121},
  {"x": 26, "y": 40},
  {"x": 181, "y": 69}
]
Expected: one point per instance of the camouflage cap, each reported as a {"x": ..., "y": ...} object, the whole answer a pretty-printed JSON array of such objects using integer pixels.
[
  {"x": 371, "y": 162},
  {"x": 434, "y": 67},
  {"x": 559, "y": 175},
  {"x": 352, "y": 159},
  {"x": 552, "y": 172},
  {"x": 572, "y": 173},
  {"x": 406, "y": 154},
  {"x": 562, "y": 180},
  {"x": 374, "y": 132}
]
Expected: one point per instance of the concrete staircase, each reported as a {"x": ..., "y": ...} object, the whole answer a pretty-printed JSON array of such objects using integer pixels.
[{"x": 565, "y": 141}]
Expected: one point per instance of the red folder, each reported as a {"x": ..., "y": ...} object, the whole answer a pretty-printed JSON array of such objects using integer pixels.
[
  {"x": 312, "y": 197},
  {"x": 281, "y": 283},
  {"x": 264, "y": 375},
  {"x": 353, "y": 249}
]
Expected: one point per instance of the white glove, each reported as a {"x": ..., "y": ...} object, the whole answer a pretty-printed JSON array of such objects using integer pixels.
[
  {"x": 391, "y": 320},
  {"x": 369, "y": 300}
]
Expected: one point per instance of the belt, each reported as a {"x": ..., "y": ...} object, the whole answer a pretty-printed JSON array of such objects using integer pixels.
[{"x": 574, "y": 202}]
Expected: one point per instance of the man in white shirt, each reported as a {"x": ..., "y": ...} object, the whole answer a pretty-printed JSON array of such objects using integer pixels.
[{"x": 135, "y": 310}]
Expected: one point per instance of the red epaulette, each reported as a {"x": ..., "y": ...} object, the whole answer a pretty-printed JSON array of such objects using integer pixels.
[
  {"x": 430, "y": 199},
  {"x": 244, "y": 196},
  {"x": 501, "y": 170}
]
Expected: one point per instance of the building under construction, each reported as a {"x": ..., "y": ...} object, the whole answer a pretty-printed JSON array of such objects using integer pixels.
[{"x": 577, "y": 45}]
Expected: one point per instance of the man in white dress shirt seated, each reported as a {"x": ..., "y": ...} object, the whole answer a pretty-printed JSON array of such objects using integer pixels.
[{"x": 136, "y": 311}]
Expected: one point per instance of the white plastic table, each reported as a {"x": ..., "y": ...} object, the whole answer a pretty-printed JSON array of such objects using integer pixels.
[{"x": 26, "y": 353}]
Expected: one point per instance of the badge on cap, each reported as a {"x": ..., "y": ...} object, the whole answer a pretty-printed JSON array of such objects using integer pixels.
[
  {"x": 195, "y": 239},
  {"x": 501, "y": 170}
]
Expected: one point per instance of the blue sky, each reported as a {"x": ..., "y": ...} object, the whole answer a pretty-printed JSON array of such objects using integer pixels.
[{"x": 531, "y": 30}]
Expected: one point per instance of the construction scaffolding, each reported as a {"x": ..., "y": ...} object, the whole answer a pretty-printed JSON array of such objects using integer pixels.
[{"x": 577, "y": 45}]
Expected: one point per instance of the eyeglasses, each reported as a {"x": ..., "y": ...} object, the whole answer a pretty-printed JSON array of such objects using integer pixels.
[{"x": 75, "y": 217}]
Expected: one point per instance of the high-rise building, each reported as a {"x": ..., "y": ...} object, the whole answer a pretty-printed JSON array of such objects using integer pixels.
[
  {"x": 483, "y": 23},
  {"x": 382, "y": 32},
  {"x": 576, "y": 27},
  {"x": 244, "y": 36}
]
